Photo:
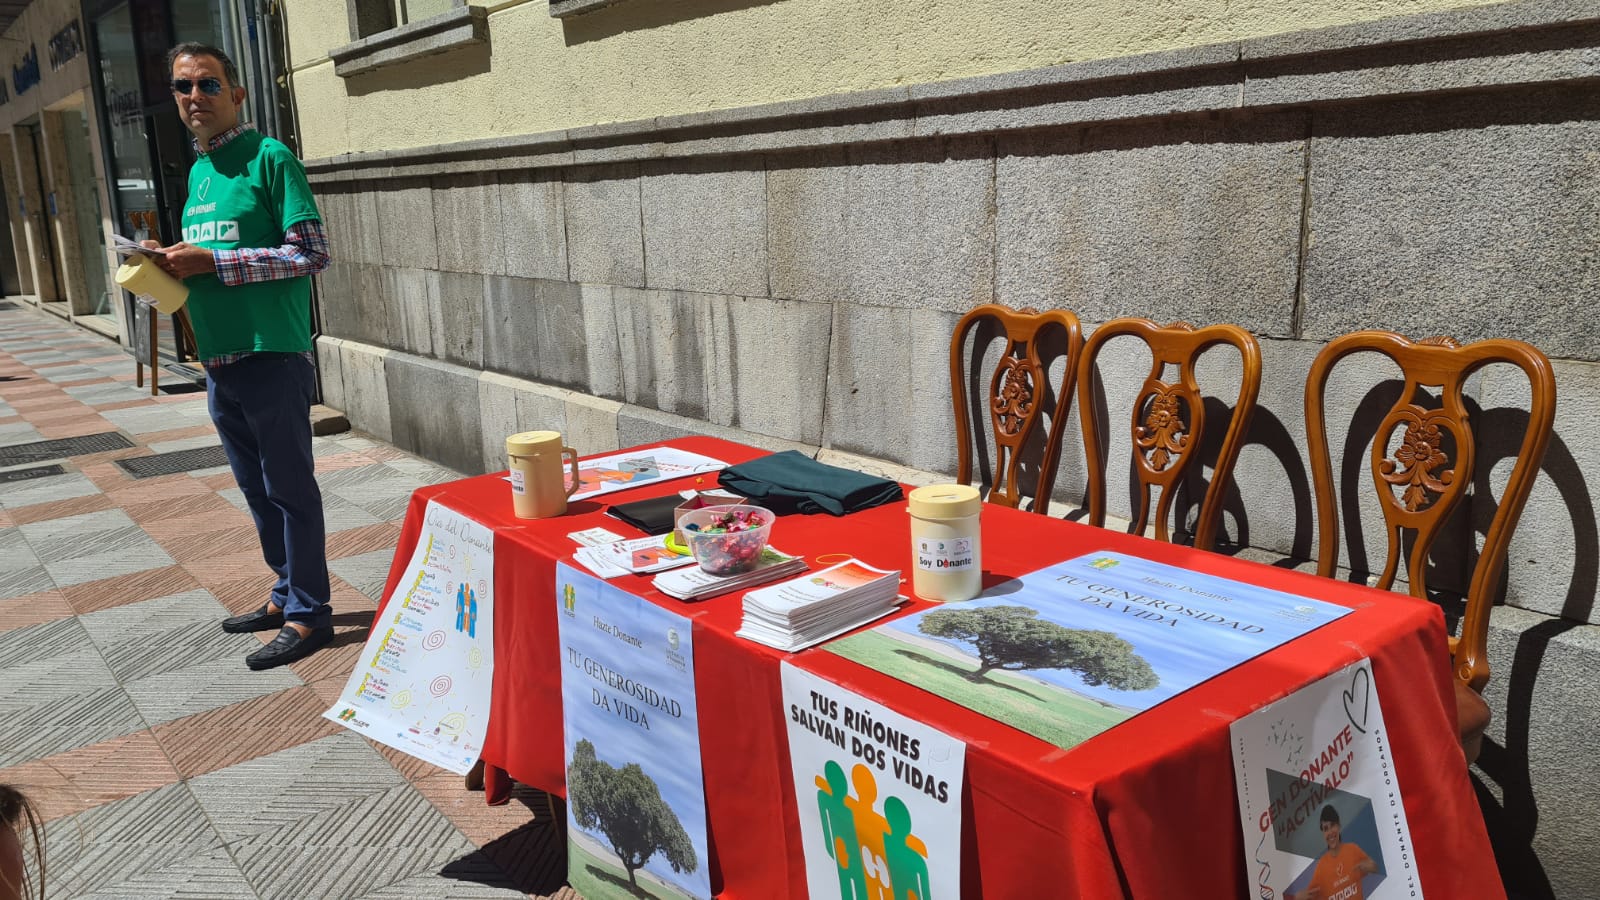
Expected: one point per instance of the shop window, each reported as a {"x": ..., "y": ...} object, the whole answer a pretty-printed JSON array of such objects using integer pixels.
[{"x": 391, "y": 32}]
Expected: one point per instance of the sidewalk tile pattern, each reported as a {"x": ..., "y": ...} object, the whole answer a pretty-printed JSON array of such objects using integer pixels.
[{"x": 163, "y": 766}]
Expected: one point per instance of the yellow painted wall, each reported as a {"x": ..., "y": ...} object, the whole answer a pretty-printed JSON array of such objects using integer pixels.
[{"x": 644, "y": 58}]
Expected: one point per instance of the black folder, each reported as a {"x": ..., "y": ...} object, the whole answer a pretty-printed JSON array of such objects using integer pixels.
[{"x": 652, "y": 516}]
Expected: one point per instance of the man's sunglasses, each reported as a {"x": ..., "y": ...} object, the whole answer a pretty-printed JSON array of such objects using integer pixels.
[{"x": 211, "y": 87}]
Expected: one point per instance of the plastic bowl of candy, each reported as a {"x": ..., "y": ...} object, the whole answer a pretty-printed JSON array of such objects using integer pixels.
[{"x": 727, "y": 540}]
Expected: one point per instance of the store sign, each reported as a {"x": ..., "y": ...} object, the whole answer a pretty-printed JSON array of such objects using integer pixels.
[
  {"x": 123, "y": 107},
  {"x": 26, "y": 75},
  {"x": 65, "y": 45}
]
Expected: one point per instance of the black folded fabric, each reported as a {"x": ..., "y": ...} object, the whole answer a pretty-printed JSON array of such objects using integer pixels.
[
  {"x": 653, "y": 516},
  {"x": 793, "y": 482}
]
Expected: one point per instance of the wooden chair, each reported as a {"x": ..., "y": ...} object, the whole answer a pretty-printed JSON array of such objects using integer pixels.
[
  {"x": 1168, "y": 420},
  {"x": 1016, "y": 398},
  {"x": 1418, "y": 484},
  {"x": 183, "y": 340}
]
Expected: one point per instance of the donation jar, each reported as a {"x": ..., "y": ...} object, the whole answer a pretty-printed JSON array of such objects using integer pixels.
[
  {"x": 539, "y": 483},
  {"x": 946, "y": 545},
  {"x": 142, "y": 276}
]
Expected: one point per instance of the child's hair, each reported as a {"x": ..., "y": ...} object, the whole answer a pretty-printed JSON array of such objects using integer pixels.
[{"x": 19, "y": 816}]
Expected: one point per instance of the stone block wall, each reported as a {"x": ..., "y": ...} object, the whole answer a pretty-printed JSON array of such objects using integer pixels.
[{"x": 790, "y": 276}]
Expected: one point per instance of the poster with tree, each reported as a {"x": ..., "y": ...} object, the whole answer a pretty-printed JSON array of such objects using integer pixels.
[
  {"x": 1073, "y": 649},
  {"x": 636, "y": 813}
]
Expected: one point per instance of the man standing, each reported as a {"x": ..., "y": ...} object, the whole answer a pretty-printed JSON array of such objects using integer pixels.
[{"x": 252, "y": 239}]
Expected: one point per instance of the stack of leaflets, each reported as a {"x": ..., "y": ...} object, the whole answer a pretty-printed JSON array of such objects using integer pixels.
[
  {"x": 128, "y": 247},
  {"x": 694, "y": 583},
  {"x": 808, "y": 610}
]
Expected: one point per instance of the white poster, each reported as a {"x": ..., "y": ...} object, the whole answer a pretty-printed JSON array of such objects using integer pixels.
[
  {"x": 423, "y": 680},
  {"x": 636, "y": 800},
  {"x": 879, "y": 795},
  {"x": 618, "y": 472},
  {"x": 1318, "y": 800}
]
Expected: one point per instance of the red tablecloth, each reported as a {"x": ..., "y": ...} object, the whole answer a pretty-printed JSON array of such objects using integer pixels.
[{"x": 1146, "y": 809}]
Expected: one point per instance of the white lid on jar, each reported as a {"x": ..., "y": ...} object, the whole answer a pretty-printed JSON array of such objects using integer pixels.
[{"x": 944, "y": 501}]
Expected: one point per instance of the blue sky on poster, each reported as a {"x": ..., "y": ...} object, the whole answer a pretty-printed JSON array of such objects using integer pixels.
[
  {"x": 1182, "y": 655},
  {"x": 669, "y": 752}
]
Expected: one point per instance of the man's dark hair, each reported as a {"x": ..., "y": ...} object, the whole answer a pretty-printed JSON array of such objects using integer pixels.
[
  {"x": 195, "y": 48},
  {"x": 1329, "y": 814}
]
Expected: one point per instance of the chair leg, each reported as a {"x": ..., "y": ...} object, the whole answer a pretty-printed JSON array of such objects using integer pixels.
[
  {"x": 155, "y": 353},
  {"x": 1472, "y": 720}
]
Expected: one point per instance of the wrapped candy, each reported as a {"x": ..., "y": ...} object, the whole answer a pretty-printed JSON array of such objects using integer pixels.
[{"x": 727, "y": 539}]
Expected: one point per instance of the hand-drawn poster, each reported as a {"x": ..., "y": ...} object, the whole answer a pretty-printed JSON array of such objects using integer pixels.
[
  {"x": 636, "y": 803},
  {"x": 879, "y": 795},
  {"x": 1318, "y": 799},
  {"x": 1073, "y": 649},
  {"x": 421, "y": 684},
  {"x": 621, "y": 471}
]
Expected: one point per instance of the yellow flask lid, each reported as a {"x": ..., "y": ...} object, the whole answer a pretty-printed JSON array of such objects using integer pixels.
[{"x": 944, "y": 501}]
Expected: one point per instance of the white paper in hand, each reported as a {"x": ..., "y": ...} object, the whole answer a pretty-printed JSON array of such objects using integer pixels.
[{"x": 128, "y": 247}]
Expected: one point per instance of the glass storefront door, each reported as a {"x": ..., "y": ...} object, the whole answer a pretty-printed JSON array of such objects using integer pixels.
[
  {"x": 47, "y": 276},
  {"x": 86, "y": 208},
  {"x": 139, "y": 215},
  {"x": 10, "y": 283},
  {"x": 139, "y": 210}
]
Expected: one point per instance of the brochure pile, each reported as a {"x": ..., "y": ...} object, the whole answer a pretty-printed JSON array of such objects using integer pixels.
[{"x": 808, "y": 610}]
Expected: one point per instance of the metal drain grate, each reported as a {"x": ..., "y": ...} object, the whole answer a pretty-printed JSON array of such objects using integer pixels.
[
  {"x": 174, "y": 462},
  {"x": 25, "y": 474},
  {"x": 61, "y": 448},
  {"x": 190, "y": 372}
]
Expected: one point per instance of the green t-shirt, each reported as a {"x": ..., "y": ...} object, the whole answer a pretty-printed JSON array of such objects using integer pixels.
[{"x": 247, "y": 193}]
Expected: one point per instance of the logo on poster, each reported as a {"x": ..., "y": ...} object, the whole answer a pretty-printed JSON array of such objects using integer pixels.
[
  {"x": 569, "y": 600},
  {"x": 673, "y": 656},
  {"x": 1290, "y": 742}
]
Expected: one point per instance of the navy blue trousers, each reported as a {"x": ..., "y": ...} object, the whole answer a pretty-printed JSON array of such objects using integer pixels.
[{"x": 261, "y": 406}]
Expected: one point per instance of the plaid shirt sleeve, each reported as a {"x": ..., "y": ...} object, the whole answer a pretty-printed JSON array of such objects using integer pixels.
[{"x": 304, "y": 252}]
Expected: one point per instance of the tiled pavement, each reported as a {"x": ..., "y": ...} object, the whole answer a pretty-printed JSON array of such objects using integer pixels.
[{"x": 164, "y": 766}]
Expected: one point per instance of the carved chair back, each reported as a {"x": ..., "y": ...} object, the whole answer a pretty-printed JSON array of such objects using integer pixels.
[
  {"x": 1168, "y": 420},
  {"x": 1017, "y": 398},
  {"x": 1418, "y": 484}
]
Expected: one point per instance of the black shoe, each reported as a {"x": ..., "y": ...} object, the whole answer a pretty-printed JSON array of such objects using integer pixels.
[
  {"x": 260, "y": 620},
  {"x": 289, "y": 646}
]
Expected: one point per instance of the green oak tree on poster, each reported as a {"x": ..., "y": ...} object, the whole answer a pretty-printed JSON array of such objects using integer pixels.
[
  {"x": 626, "y": 806},
  {"x": 1014, "y": 638}
]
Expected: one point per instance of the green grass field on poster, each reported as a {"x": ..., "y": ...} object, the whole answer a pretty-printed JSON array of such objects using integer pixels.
[
  {"x": 598, "y": 878},
  {"x": 1062, "y": 717}
]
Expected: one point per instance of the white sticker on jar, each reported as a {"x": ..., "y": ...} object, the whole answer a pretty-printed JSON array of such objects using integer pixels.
[
  {"x": 953, "y": 555},
  {"x": 518, "y": 484}
]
